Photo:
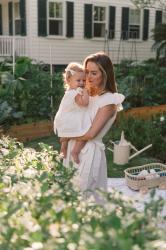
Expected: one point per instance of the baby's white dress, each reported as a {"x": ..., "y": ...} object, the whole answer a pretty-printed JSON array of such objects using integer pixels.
[
  {"x": 71, "y": 120},
  {"x": 92, "y": 169}
]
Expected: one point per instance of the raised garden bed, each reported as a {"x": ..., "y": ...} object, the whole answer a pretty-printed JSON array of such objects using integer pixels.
[
  {"x": 145, "y": 112},
  {"x": 27, "y": 132}
]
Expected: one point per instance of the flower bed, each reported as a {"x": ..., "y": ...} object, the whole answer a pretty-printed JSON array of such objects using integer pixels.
[{"x": 42, "y": 208}]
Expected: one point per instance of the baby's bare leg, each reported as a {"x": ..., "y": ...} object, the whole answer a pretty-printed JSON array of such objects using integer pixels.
[
  {"x": 63, "y": 149},
  {"x": 76, "y": 150}
]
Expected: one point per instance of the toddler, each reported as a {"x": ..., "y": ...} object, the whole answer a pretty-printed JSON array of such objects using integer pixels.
[{"x": 72, "y": 118}]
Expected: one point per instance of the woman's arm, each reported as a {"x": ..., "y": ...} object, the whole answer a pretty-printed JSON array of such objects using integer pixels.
[{"x": 101, "y": 118}]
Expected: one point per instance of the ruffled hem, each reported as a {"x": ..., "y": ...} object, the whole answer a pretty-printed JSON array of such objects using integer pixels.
[
  {"x": 75, "y": 133},
  {"x": 112, "y": 98}
]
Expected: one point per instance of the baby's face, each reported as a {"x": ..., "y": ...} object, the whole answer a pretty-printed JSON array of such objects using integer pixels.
[{"x": 77, "y": 80}]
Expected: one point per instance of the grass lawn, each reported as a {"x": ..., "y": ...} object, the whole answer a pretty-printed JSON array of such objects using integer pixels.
[{"x": 114, "y": 170}]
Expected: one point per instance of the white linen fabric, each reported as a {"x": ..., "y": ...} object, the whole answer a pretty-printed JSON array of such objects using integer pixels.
[
  {"x": 92, "y": 169},
  {"x": 71, "y": 120}
]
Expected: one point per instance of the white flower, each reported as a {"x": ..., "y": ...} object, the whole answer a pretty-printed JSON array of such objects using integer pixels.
[
  {"x": 22, "y": 188},
  {"x": 54, "y": 230},
  {"x": 75, "y": 227},
  {"x": 30, "y": 173},
  {"x": 7, "y": 180},
  {"x": 72, "y": 246},
  {"x": 29, "y": 222},
  {"x": 4, "y": 151},
  {"x": 11, "y": 170},
  {"x": 162, "y": 118},
  {"x": 37, "y": 245}
]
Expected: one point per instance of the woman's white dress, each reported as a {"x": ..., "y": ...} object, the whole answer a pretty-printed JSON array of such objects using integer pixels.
[
  {"x": 71, "y": 120},
  {"x": 92, "y": 169}
]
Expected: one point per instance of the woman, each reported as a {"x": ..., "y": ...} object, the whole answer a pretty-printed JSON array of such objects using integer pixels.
[{"x": 104, "y": 103}]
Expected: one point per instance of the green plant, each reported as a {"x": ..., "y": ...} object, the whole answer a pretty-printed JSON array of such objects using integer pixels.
[
  {"x": 42, "y": 208},
  {"x": 141, "y": 133},
  {"x": 30, "y": 92},
  {"x": 143, "y": 84}
]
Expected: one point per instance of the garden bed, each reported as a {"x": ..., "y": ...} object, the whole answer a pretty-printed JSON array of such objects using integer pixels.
[
  {"x": 30, "y": 131},
  {"x": 145, "y": 112},
  {"x": 27, "y": 132}
]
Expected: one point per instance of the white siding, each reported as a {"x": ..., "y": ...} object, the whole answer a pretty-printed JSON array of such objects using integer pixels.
[
  {"x": 5, "y": 18},
  {"x": 77, "y": 48}
]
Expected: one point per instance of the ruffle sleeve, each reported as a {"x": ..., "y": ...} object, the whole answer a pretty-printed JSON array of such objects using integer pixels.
[{"x": 112, "y": 98}]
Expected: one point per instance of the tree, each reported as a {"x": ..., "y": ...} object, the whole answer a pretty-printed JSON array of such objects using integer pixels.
[{"x": 141, "y": 4}]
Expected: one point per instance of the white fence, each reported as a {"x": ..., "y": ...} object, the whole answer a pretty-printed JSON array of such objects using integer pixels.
[{"x": 12, "y": 45}]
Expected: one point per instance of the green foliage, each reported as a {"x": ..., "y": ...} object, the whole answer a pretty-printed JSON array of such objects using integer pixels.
[
  {"x": 42, "y": 208},
  {"x": 29, "y": 92},
  {"x": 142, "y": 4},
  {"x": 143, "y": 84}
]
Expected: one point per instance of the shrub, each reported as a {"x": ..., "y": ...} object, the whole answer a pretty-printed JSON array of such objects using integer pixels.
[
  {"x": 31, "y": 94},
  {"x": 143, "y": 84},
  {"x": 142, "y": 133},
  {"x": 42, "y": 209}
]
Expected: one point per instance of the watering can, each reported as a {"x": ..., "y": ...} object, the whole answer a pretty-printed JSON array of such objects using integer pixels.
[{"x": 121, "y": 150}]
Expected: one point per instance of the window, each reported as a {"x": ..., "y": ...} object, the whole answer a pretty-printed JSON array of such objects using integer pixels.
[
  {"x": 99, "y": 21},
  {"x": 55, "y": 18},
  {"x": 17, "y": 19},
  {"x": 134, "y": 23}
]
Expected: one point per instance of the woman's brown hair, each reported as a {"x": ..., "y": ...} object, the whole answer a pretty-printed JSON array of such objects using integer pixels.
[{"x": 105, "y": 64}]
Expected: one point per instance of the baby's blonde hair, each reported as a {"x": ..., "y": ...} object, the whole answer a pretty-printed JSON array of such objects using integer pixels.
[{"x": 71, "y": 69}]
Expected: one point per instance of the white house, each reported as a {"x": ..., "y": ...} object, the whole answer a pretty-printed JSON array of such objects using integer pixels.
[{"x": 59, "y": 31}]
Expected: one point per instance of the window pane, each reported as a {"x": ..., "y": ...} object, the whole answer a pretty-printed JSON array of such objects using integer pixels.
[
  {"x": 51, "y": 9},
  {"x": 99, "y": 30},
  {"x": 134, "y": 17},
  {"x": 17, "y": 27},
  {"x": 134, "y": 31},
  {"x": 59, "y": 10},
  {"x": 96, "y": 14},
  {"x": 99, "y": 13},
  {"x": 55, "y": 10},
  {"x": 102, "y": 14},
  {"x": 55, "y": 27},
  {"x": 16, "y": 10}
]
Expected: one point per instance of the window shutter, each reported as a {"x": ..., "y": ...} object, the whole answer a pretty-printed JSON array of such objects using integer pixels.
[
  {"x": 10, "y": 9},
  {"x": 112, "y": 12},
  {"x": 42, "y": 17},
  {"x": 88, "y": 20},
  {"x": 23, "y": 17},
  {"x": 70, "y": 19},
  {"x": 1, "y": 19},
  {"x": 146, "y": 25},
  {"x": 125, "y": 23},
  {"x": 158, "y": 18}
]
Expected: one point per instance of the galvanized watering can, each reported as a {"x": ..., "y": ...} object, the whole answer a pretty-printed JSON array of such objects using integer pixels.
[{"x": 121, "y": 150}]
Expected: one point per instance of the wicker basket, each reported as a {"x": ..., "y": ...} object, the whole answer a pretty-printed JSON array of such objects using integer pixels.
[{"x": 135, "y": 181}]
